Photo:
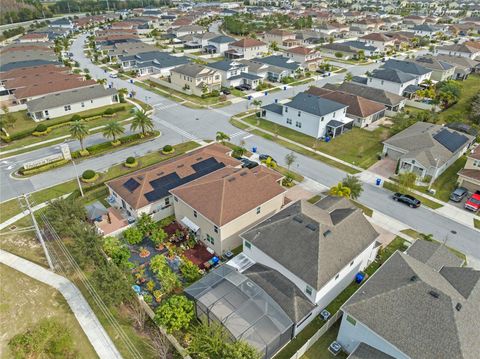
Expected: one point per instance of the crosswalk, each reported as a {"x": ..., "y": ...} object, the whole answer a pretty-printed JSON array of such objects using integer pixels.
[
  {"x": 161, "y": 106},
  {"x": 179, "y": 130},
  {"x": 236, "y": 134}
]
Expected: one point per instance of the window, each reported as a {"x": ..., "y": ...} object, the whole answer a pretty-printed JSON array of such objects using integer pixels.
[
  {"x": 286, "y": 109},
  {"x": 176, "y": 199},
  {"x": 82, "y": 104},
  {"x": 258, "y": 210},
  {"x": 46, "y": 112},
  {"x": 195, "y": 214},
  {"x": 299, "y": 113},
  {"x": 382, "y": 82},
  {"x": 336, "y": 277},
  {"x": 351, "y": 320},
  {"x": 215, "y": 228},
  {"x": 248, "y": 244},
  {"x": 298, "y": 124},
  {"x": 67, "y": 108},
  {"x": 351, "y": 263},
  {"x": 323, "y": 118},
  {"x": 476, "y": 163},
  {"x": 334, "y": 114},
  {"x": 210, "y": 239},
  {"x": 289, "y": 121},
  {"x": 167, "y": 201},
  {"x": 308, "y": 290}
]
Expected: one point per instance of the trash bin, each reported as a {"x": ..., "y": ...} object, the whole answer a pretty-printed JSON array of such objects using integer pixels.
[
  {"x": 254, "y": 149},
  {"x": 276, "y": 100},
  {"x": 359, "y": 277},
  {"x": 249, "y": 97},
  {"x": 266, "y": 93},
  {"x": 378, "y": 181},
  {"x": 327, "y": 138},
  {"x": 285, "y": 88}
]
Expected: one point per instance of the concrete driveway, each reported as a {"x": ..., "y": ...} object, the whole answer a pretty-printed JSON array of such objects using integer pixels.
[{"x": 385, "y": 167}]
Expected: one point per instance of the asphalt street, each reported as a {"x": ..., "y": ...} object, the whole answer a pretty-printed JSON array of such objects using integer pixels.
[{"x": 178, "y": 124}]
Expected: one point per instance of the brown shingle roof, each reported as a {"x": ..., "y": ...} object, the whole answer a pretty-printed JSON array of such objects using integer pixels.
[
  {"x": 181, "y": 165},
  {"x": 226, "y": 194},
  {"x": 301, "y": 50},
  {"x": 31, "y": 71},
  {"x": 475, "y": 153},
  {"x": 39, "y": 78},
  {"x": 376, "y": 36},
  {"x": 280, "y": 32},
  {"x": 51, "y": 86},
  {"x": 470, "y": 173},
  {"x": 247, "y": 43}
]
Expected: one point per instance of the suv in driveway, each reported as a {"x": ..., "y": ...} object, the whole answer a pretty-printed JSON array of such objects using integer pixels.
[
  {"x": 473, "y": 203},
  {"x": 411, "y": 201},
  {"x": 458, "y": 194}
]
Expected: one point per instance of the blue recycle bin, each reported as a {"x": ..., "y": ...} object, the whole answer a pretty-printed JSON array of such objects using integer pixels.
[
  {"x": 359, "y": 277},
  {"x": 327, "y": 138},
  {"x": 284, "y": 88},
  {"x": 266, "y": 93},
  {"x": 254, "y": 149},
  {"x": 249, "y": 97},
  {"x": 276, "y": 100},
  {"x": 378, "y": 181},
  {"x": 131, "y": 81}
]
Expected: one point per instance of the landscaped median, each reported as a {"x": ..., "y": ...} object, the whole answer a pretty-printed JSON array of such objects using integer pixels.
[{"x": 296, "y": 343}]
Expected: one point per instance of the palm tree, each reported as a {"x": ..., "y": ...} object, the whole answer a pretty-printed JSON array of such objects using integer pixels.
[
  {"x": 102, "y": 81},
  {"x": 257, "y": 103},
  {"x": 222, "y": 137},
  {"x": 354, "y": 184},
  {"x": 348, "y": 77},
  {"x": 79, "y": 131},
  {"x": 340, "y": 190},
  {"x": 142, "y": 121},
  {"x": 112, "y": 130},
  {"x": 122, "y": 92}
]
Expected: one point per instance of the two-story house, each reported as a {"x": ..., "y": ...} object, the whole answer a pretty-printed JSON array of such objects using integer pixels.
[
  {"x": 234, "y": 73},
  {"x": 422, "y": 73},
  {"x": 151, "y": 63},
  {"x": 278, "y": 36},
  {"x": 395, "y": 81},
  {"x": 468, "y": 49},
  {"x": 246, "y": 49},
  {"x": 308, "y": 58},
  {"x": 309, "y": 114},
  {"x": 218, "y": 44},
  {"x": 220, "y": 205},
  {"x": 441, "y": 70},
  {"x": 469, "y": 176},
  {"x": 379, "y": 40},
  {"x": 196, "y": 78}
]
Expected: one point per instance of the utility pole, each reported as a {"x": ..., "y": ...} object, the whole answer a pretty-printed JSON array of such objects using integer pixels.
[
  {"x": 39, "y": 233},
  {"x": 108, "y": 6},
  {"x": 78, "y": 179}
]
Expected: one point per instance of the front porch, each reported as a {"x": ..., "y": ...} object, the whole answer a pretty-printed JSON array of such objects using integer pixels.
[{"x": 335, "y": 128}]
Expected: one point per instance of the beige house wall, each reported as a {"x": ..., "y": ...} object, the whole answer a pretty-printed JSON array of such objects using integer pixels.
[{"x": 213, "y": 82}]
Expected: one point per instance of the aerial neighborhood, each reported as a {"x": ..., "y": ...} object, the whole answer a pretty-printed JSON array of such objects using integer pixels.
[{"x": 240, "y": 180}]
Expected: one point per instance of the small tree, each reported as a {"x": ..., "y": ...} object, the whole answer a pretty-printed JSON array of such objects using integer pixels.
[
  {"x": 132, "y": 235},
  {"x": 158, "y": 236},
  {"x": 222, "y": 137},
  {"x": 290, "y": 159},
  {"x": 189, "y": 270},
  {"x": 340, "y": 190},
  {"x": 175, "y": 313},
  {"x": 112, "y": 130},
  {"x": 257, "y": 103},
  {"x": 354, "y": 184},
  {"x": 348, "y": 77},
  {"x": 143, "y": 122},
  {"x": 79, "y": 131},
  {"x": 406, "y": 181},
  {"x": 339, "y": 54},
  {"x": 145, "y": 224}
]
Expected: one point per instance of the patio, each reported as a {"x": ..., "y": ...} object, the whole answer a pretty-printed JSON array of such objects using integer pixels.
[
  {"x": 111, "y": 222},
  {"x": 198, "y": 255}
]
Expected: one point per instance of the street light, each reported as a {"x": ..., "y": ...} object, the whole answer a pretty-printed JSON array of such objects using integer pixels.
[{"x": 433, "y": 177}]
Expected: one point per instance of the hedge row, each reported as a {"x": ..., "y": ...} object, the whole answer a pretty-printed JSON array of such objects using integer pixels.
[{"x": 43, "y": 168}]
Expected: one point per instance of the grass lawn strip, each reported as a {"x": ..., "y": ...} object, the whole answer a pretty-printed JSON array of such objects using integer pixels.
[
  {"x": 476, "y": 223},
  {"x": 296, "y": 343},
  {"x": 469, "y": 88},
  {"x": 320, "y": 349},
  {"x": 425, "y": 201}
]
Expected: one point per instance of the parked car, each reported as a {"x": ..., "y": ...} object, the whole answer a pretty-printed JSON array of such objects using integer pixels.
[
  {"x": 458, "y": 194},
  {"x": 239, "y": 88},
  {"x": 264, "y": 157},
  {"x": 411, "y": 201},
  {"x": 473, "y": 203},
  {"x": 113, "y": 76},
  {"x": 243, "y": 87},
  {"x": 246, "y": 163},
  {"x": 226, "y": 92}
]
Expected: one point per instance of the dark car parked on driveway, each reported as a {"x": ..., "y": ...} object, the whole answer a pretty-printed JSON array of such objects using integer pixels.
[
  {"x": 246, "y": 163},
  {"x": 411, "y": 201},
  {"x": 459, "y": 194}
]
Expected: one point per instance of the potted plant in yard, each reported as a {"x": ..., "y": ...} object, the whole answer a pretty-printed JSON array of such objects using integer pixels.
[
  {"x": 150, "y": 285},
  {"x": 147, "y": 298},
  {"x": 158, "y": 237},
  {"x": 140, "y": 276},
  {"x": 144, "y": 252},
  {"x": 158, "y": 295}
]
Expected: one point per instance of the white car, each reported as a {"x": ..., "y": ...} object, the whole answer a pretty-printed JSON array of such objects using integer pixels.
[{"x": 113, "y": 76}]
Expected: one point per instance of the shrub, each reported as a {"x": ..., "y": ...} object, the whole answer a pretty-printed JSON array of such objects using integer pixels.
[
  {"x": 41, "y": 128},
  {"x": 109, "y": 111},
  {"x": 167, "y": 149},
  {"x": 88, "y": 174},
  {"x": 39, "y": 169},
  {"x": 76, "y": 118},
  {"x": 175, "y": 314},
  {"x": 130, "y": 160}
]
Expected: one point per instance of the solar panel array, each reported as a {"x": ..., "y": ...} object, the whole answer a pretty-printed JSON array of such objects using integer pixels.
[
  {"x": 452, "y": 141},
  {"x": 161, "y": 186},
  {"x": 131, "y": 185}
]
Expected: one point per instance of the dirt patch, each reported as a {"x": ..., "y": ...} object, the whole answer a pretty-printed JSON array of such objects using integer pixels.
[{"x": 24, "y": 245}]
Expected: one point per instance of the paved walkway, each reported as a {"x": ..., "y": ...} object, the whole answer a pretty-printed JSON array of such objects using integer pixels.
[{"x": 96, "y": 334}]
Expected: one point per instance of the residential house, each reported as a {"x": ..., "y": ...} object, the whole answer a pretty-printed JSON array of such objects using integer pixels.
[
  {"x": 218, "y": 44},
  {"x": 196, "y": 78},
  {"x": 278, "y": 36},
  {"x": 422, "y": 73},
  {"x": 426, "y": 149},
  {"x": 308, "y": 58},
  {"x": 129, "y": 48},
  {"x": 391, "y": 80},
  {"x": 220, "y": 205},
  {"x": 199, "y": 41},
  {"x": 333, "y": 238},
  {"x": 463, "y": 65},
  {"x": 350, "y": 49},
  {"x": 441, "y": 71},
  {"x": 62, "y": 23},
  {"x": 379, "y": 40},
  {"x": 70, "y": 102},
  {"x": 392, "y": 102},
  {"x": 235, "y": 73},
  {"x": 151, "y": 63},
  {"x": 147, "y": 190},
  {"x": 276, "y": 294},
  {"x": 469, "y": 176},
  {"x": 429, "y": 308},
  {"x": 278, "y": 67},
  {"x": 187, "y": 30},
  {"x": 468, "y": 49},
  {"x": 425, "y": 30},
  {"x": 363, "y": 111},
  {"x": 309, "y": 114},
  {"x": 246, "y": 49},
  {"x": 33, "y": 37}
]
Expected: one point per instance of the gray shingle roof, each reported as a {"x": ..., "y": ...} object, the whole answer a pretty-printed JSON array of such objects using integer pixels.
[
  {"x": 225, "y": 65},
  {"x": 397, "y": 304},
  {"x": 27, "y": 63},
  {"x": 192, "y": 69},
  {"x": 392, "y": 75},
  {"x": 274, "y": 107},
  {"x": 433, "y": 63},
  {"x": 69, "y": 97},
  {"x": 433, "y": 254},
  {"x": 406, "y": 66},
  {"x": 155, "y": 58},
  {"x": 279, "y": 61},
  {"x": 222, "y": 39},
  {"x": 313, "y": 104},
  {"x": 312, "y": 242}
]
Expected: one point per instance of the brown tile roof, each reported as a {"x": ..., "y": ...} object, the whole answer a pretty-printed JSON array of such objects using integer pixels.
[
  {"x": 35, "y": 46},
  {"x": 181, "y": 165},
  {"x": 301, "y": 50},
  {"x": 475, "y": 153},
  {"x": 31, "y": 71},
  {"x": 376, "y": 36},
  {"x": 357, "y": 105},
  {"x": 39, "y": 78},
  {"x": 34, "y": 35},
  {"x": 182, "y": 21},
  {"x": 470, "y": 173},
  {"x": 51, "y": 86},
  {"x": 247, "y": 43},
  {"x": 226, "y": 194}
]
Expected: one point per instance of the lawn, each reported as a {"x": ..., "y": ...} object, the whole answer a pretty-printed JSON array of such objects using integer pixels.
[
  {"x": 425, "y": 201},
  {"x": 26, "y": 301},
  {"x": 476, "y": 223},
  {"x": 469, "y": 88},
  {"x": 291, "y": 348},
  {"x": 357, "y": 146},
  {"x": 447, "y": 181},
  {"x": 320, "y": 349}
]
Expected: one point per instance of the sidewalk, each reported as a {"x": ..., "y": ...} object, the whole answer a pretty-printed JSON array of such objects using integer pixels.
[{"x": 90, "y": 324}]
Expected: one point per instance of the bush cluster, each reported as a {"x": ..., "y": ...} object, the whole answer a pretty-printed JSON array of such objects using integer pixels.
[
  {"x": 88, "y": 174},
  {"x": 43, "y": 168}
]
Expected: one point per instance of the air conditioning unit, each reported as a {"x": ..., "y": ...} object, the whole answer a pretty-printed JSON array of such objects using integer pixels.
[{"x": 335, "y": 348}]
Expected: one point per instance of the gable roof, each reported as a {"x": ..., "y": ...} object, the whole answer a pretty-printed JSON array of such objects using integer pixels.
[
  {"x": 418, "y": 309},
  {"x": 433, "y": 63},
  {"x": 433, "y": 254},
  {"x": 377, "y": 36},
  {"x": 247, "y": 42},
  {"x": 225, "y": 65},
  {"x": 279, "y": 61},
  {"x": 153, "y": 183},
  {"x": 406, "y": 66},
  {"x": 222, "y": 39},
  {"x": 301, "y": 50},
  {"x": 392, "y": 75},
  {"x": 314, "y": 242},
  {"x": 193, "y": 70},
  {"x": 313, "y": 104},
  {"x": 370, "y": 93},
  {"x": 155, "y": 58},
  {"x": 228, "y": 193}
]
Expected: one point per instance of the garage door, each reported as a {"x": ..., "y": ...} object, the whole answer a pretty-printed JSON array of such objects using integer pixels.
[
  {"x": 472, "y": 187},
  {"x": 393, "y": 154}
]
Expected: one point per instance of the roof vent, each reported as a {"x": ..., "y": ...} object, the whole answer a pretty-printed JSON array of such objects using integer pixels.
[
  {"x": 180, "y": 166},
  {"x": 298, "y": 219},
  {"x": 231, "y": 179},
  {"x": 413, "y": 278},
  {"x": 311, "y": 227},
  {"x": 434, "y": 294},
  {"x": 458, "y": 307},
  {"x": 327, "y": 233},
  {"x": 243, "y": 174},
  {"x": 199, "y": 158}
]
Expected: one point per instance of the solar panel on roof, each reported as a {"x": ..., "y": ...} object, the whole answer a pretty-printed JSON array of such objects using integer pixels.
[
  {"x": 452, "y": 141},
  {"x": 131, "y": 185}
]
